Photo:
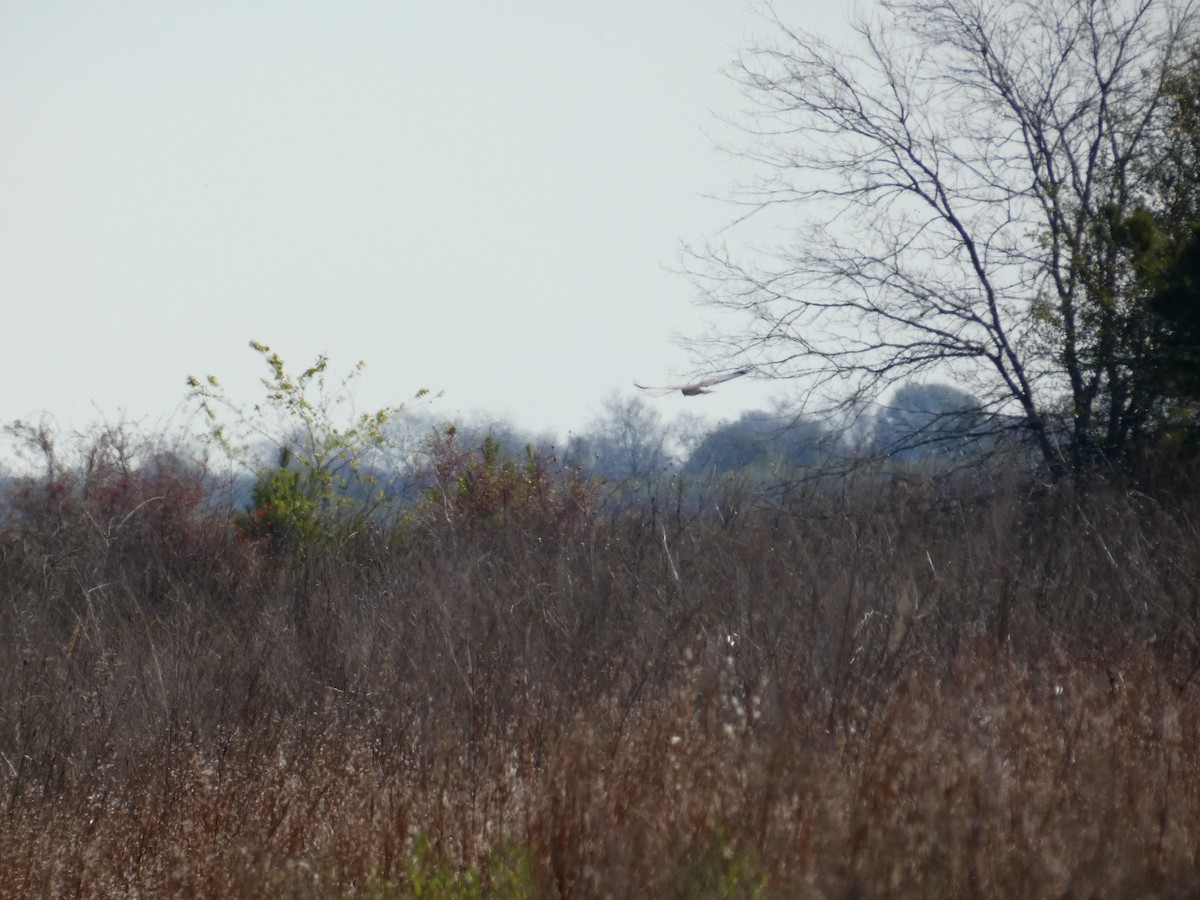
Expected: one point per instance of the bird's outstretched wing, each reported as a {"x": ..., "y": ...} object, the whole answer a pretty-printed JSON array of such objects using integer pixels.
[{"x": 696, "y": 387}]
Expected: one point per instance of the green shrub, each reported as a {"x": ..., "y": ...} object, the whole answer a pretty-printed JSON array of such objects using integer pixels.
[
  {"x": 718, "y": 869},
  {"x": 327, "y": 481},
  {"x": 505, "y": 873},
  {"x": 284, "y": 509}
]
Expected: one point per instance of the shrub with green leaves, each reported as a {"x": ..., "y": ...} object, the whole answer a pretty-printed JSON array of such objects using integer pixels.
[
  {"x": 284, "y": 509},
  {"x": 506, "y": 872},
  {"x": 332, "y": 465},
  {"x": 716, "y": 867}
]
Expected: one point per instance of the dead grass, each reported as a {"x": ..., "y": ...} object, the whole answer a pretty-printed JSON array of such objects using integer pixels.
[{"x": 919, "y": 694}]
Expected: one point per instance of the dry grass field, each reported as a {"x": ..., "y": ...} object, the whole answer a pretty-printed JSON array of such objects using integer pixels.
[{"x": 876, "y": 693}]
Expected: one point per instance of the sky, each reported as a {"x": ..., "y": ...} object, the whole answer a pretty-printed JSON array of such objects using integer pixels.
[{"x": 483, "y": 199}]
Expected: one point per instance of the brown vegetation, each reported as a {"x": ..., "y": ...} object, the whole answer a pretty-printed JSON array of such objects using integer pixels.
[{"x": 883, "y": 693}]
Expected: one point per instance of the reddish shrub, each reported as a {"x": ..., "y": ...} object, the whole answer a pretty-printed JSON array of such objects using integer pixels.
[{"x": 480, "y": 486}]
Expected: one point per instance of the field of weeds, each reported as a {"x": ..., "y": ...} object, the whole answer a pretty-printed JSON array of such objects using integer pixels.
[{"x": 889, "y": 692}]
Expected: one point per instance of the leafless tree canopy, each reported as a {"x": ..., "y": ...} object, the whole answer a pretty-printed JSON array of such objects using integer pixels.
[{"x": 949, "y": 187}]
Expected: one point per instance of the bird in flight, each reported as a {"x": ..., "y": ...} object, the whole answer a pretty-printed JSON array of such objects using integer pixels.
[{"x": 696, "y": 387}]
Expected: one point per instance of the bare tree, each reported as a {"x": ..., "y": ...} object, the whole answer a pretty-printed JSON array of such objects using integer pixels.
[
  {"x": 628, "y": 439},
  {"x": 954, "y": 189}
]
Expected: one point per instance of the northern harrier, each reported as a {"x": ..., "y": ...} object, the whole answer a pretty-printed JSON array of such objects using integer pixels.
[{"x": 698, "y": 387}]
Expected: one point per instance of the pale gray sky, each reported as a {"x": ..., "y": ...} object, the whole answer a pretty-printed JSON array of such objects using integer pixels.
[{"x": 480, "y": 198}]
